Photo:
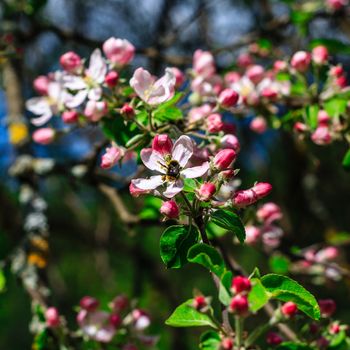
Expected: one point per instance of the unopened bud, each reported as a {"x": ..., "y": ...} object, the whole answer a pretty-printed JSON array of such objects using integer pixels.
[
  {"x": 170, "y": 209},
  {"x": 206, "y": 191},
  {"x": 162, "y": 144},
  {"x": 71, "y": 62},
  {"x": 239, "y": 305},
  {"x": 228, "y": 98},
  {"x": 89, "y": 303},
  {"x": 44, "y": 136},
  {"x": 224, "y": 159},
  {"x": 52, "y": 317},
  {"x": 289, "y": 309},
  {"x": 111, "y": 79},
  {"x": 241, "y": 284}
]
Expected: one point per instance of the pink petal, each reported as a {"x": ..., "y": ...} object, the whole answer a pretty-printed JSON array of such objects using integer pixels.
[
  {"x": 105, "y": 334},
  {"x": 97, "y": 66},
  {"x": 141, "y": 82},
  {"x": 173, "y": 189},
  {"x": 148, "y": 184},
  {"x": 183, "y": 150},
  {"x": 152, "y": 159},
  {"x": 197, "y": 171},
  {"x": 95, "y": 93}
]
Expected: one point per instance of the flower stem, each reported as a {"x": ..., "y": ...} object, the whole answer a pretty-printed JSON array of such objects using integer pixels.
[{"x": 239, "y": 331}]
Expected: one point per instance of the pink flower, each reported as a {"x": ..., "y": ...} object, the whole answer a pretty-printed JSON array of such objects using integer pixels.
[
  {"x": 136, "y": 192},
  {"x": 230, "y": 141},
  {"x": 179, "y": 76},
  {"x": 150, "y": 90},
  {"x": 269, "y": 213},
  {"x": 198, "y": 113},
  {"x": 203, "y": 63},
  {"x": 258, "y": 125},
  {"x": 280, "y": 66},
  {"x": 118, "y": 51},
  {"x": 214, "y": 122},
  {"x": 206, "y": 191},
  {"x": 336, "y": 71},
  {"x": 241, "y": 284},
  {"x": 111, "y": 157},
  {"x": 321, "y": 136},
  {"x": 323, "y": 118},
  {"x": 228, "y": 98},
  {"x": 71, "y": 62},
  {"x": 162, "y": 144},
  {"x": 301, "y": 61},
  {"x": 111, "y": 79},
  {"x": 252, "y": 234},
  {"x": 141, "y": 319},
  {"x": 320, "y": 54},
  {"x": 170, "y": 209},
  {"x": 95, "y": 110},
  {"x": 250, "y": 196},
  {"x": 232, "y": 77},
  {"x": 52, "y": 317},
  {"x": 224, "y": 159},
  {"x": 44, "y": 136},
  {"x": 41, "y": 84},
  {"x": 239, "y": 305},
  {"x": 172, "y": 168},
  {"x": 271, "y": 236},
  {"x": 289, "y": 309},
  {"x": 70, "y": 117},
  {"x": 326, "y": 254},
  {"x": 255, "y": 73},
  {"x": 200, "y": 302},
  {"x": 300, "y": 127},
  {"x": 226, "y": 344}
]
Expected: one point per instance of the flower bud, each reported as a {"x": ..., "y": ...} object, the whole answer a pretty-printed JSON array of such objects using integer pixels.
[
  {"x": 71, "y": 62},
  {"x": 44, "y": 136},
  {"x": 280, "y": 66},
  {"x": 111, "y": 157},
  {"x": 206, "y": 191},
  {"x": 334, "y": 328},
  {"x": 337, "y": 5},
  {"x": 230, "y": 141},
  {"x": 320, "y": 54},
  {"x": 262, "y": 189},
  {"x": 70, "y": 117},
  {"x": 258, "y": 125},
  {"x": 336, "y": 71},
  {"x": 203, "y": 63},
  {"x": 41, "y": 84},
  {"x": 200, "y": 302},
  {"x": 95, "y": 110},
  {"x": 141, "y": 319},
  {"x": 241, "y": 284},
  {"x": 89, "y": 303},
  {"x": 321, "y": 136},
  {"x": 214, "y": 122},
  {"x": 326, "y": 254},
  {"x": 127, "y": 111},
  {"x": 322, "y": 343},
  {"x": 111, "y": 79},
  {"x": 247, "y": 197},
  {"x": 119, "y": 303},
  {"x": 289, "y": 309},
  {"x": 300, "y": 127},
  {"x": 226, "y": 344},
  {"x": 273, "y": 338},
  {"x": 323, "y": 118},
  {"x": 52, "y": 317},
  {"x": 255, "y": 73},
  {"x": 224, "y": 159},
  {"x": 162, "y": 143},
  {"x": 232, "y": 77},
  {"x": 115, "y": 320},
  {"x": 239, "y": 305},
  {"x": 253, "y": 234},
  {"x": 341, "y": 81},
  {"x": 170, "y": 209},
  {"x": 228, "y": 98},
  {"x": 118, "y": 51},
  {"x": 244, "y": 60},
  {"x": 269, "y": 213},
  {"x": 301, "y": 61},
  {"x": 179, "y": 76},
  {"x": 327, "y": 307}
]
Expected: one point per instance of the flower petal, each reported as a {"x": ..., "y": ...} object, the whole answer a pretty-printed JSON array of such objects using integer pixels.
[
  {"x": 173, "y": 189},
  {"x": 142, "y": 82},
  {"x": 148, "y": 184},
  {"x": 76, "y": 100},
  {"x": 197, "y": 171},
  {"x": 97, "y": 66},
  {"x": 42, "y": 119},
  {"x": 152, "y": 159},
  {"x": 183, "y": 150}
]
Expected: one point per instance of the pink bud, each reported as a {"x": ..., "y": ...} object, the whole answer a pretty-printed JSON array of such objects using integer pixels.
[
  {"x": 232, "y": 77},
  {"x": 127, "y": 111},
  {"x": 334, "y": 328},
  {"x": 118, "y": 51},
  {"x": 203, "y": 63},
  {"x": 170, "y": 209},
  {"x": 255, "y": 73},
  {"x": 269, "y": 213},
  {"x": 119, "y": 303},
  {"x": 230, "y": 141},
  {"x": 206, "y": 191},
  {"x": 71, "y": 62},
  {"x": 179, "y": 76},
  {"x": 239, "y": 305},
  {"x": 322, "y": 343},
  {"x": 226, "y": 344},
  {"x": 300, "y": 127},
  {"x": 111, "y": 79},
  {"x": 301, "y": 61},
  {"x": 321, "y": 136},
  {"x": 95, "y": 110},
  {"x": 228, "y": 98},
  {"x": 224, "y": 159},
  {"x": 262, "y": 189},
  {"x": 323, "y": 118},
  {"x": 244, "y": 60},
  {"x": 336, "y": 71},
  {"x": 52, "y": 317},
  {"x": 214, "y": 122},
  {"x": 115, "y": 320},
  {"x": 280, "y": 66},
  {"x": 337, "y": 5},
  {"x": 269, "y": 94},
  {"x": 200, "y": 302},
  {"x": 320, "y": 54},
  {"x": 44, "y": 136},
  {"x": 341, "y": 81},
  {"x": 81, "y": 316},
  {"x": 327, "y": 307},
  {"x": 273, "y": 339},
  {"x": 241, "y": 284},
  {"x": 111, "y": 157},
  {"x": 162, "y": 143},
  {"x": 250, "y": 196},
  {"x": 41, "y": 84},
  {"x": 258, "y": 125},
  {"x": 326, "y": 254},
  {"x": 289, "y": 309},
  {"x": 70, "y": 117},
  {"x": 89, "y": 303},
  {"x": 252, "y": 234}
]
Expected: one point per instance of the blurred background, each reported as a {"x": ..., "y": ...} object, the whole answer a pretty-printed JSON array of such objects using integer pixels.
[{"x": 91, "y": 253}]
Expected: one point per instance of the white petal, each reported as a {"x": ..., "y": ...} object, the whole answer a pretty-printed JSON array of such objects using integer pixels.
[
  {"x": 73, "y": 101},
  {"x": 38, "y": 105},
  {"x": 73, "y": 82},
  {"x": 173, "y": 189},
  {"x": 97, "y": 66},
  {"x": 148, "y": 184},
  {"x": 152, "y": 160},
  {"x": 197, "y": 171},
  {"x": 95, "y": 93},
  {"x": 41, "y": 120},
  {"x": 183, "y": 150}
]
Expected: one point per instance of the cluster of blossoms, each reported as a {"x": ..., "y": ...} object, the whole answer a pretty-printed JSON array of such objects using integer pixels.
[
  {"x": 265, "y": 230},
  {"x": 123, "y": 324}
]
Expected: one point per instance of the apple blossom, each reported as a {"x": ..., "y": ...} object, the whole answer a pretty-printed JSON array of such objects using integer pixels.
[
  {"x": 52, "y": 317},
  {"x": 200, "y": 302},
  {"x": 247, "y": 197},
  {"x": 118, "y": 51},
  {"x": 239, "y": 305},
  {"x": 89, "y": 303},
  {"x": 241, "y": 284},
  {"x": 252, "y": 234},
  {"x": 179, "y": 76},
  {"x": 112, "y": 156},
  {"x": 111, "y": 78},
  {"x": 170, "y": 209},
  {"x": 203, "y": 63},
  {"x": 273, "y": 338},
  {"x": 301, "y": 61},
  {"x": 224, "y": 159},
  {"x": 228, "y": 98},
  {"x": 230, "y": 141},
  {"x": 327, "y": 307},
  {"x": 41, "y": 84},
  {"x": 320, "y": 54},
  {"x": 44, "y": 136},
  {"x": 322, "y": 135},
  {"x": 255, "y": 73},
  {"x": 289, "y": 309},
  {"x": 127, "y": 111},
  {"x": 214, "y": 123},
  {"x": 70, "y": 117},
  {"x": 95, "y": 110},
  {"x": 71, "y": 62},
  {"x": 162, "y": 144},
  {"x": 206, "y": 191},
  {"x": 269, "y": 213}
]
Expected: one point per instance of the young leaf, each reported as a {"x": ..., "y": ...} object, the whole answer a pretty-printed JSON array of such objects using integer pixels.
[
  {"x": 285, "y": 289},
  {"x": 175, "y": 243},
  {"x": 336, "y": 106},
  {"x": 346, "y": 160},
  {"x": 258, "y": 296},
  {"x": 224, "y": 289},
  {"x": 208, "y": 257},
  {"x": 210, "y": 340},
  {"x": 311, "y": 115},
  {"x": 229, "y": 221},
  {"x": 186, "y": 315}
]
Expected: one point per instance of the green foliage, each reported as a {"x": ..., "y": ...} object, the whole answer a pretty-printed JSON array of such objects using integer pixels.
[
  {"x": 279, "y": 264},
  {"x": 224, "y": 288},
  {"x": 346, "y": 160},
  {"x": 285, "y": 289},
  {"x": 174, "y": 244},
  {"x": 311, "y": 113},
  {"x": 258, "y": 296},
  {"x": 333, "y": 45},
  {"x": 186, "y": 315},
  {"x": 2, "y": 281},
  {"x": 190, "y": 185},
  {"x": 336, "y": 106},
  {"x": 229, "y": 221},
  {"x": 118, "y": 130},
  {"x": 40, "y": 340},
  {"x": 293, "y": 346},
  {"x": 167, "y": 111},
  {"x": 150, "y": 209},
  {"x": 210, "y": 340}
]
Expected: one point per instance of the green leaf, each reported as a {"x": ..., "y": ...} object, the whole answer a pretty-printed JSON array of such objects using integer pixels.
[
  {"x": 175, "y": 243},
  {"x": 214, "y": 231},
  {"x": 172, "y": 101},
  {"x": 225, "y": 295},
  {"x": 311, "y": 113},
  {"x": 168, "y": 114},
  {"x": 150, "y": 208},
  {"x": 2, "y": 281},
  {"x": 40, "y": 340},
  {"x": 207, "y": 256},
  {"x": 285, "y": 289},
  {"x": 338, "y": 238},
  {"x": 346, "y": 160},
  {"x": 190, "y": 185},
  {"x": 336, "y": 106},
  {"x": 333, "y": 45},
  {"x": 116, "y": 129},
  {"x": 229, "y": 221},
  {"x": 186, "y": 315},
  {"x": 210, "y": 340},
  {"x": 279, "y": 264},
  {"x": 258, "y": 296},
  {"x": 293, "y": 346}
]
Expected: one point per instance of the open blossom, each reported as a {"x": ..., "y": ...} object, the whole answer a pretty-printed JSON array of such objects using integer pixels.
[
  {"x": 198, "y": 113},
  {"x": 111, "y": 157},
  {"x": 172, "y": 168},
  {"x": 203, "y": 63},
  {"x": 95, "y": 110},
  {"x": 118, "y": 51},
  {"x": 153, "y": 91}
]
